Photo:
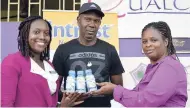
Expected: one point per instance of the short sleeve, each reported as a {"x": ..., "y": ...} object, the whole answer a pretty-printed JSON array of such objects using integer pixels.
[
  {"x": 58, "y": 61},
  {"x": 116, "y": 66}
]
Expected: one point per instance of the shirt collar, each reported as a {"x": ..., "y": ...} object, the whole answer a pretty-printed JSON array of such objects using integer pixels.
[{"x": 173, "y": 56}]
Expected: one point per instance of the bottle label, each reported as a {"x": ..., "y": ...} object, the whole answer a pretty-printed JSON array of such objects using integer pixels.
[
  {"x": 70, "y": 85},
  {"x": 91, "y": 84},
  {"x": 62, "y": 86},
  {"x": 81, "y": 87}
]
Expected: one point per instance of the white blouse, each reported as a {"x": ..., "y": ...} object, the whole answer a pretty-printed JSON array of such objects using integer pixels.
[{"x": 49, "y": 74}]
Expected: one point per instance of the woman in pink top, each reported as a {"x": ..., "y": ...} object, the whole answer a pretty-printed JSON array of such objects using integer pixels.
[
  {"x": 164, "y": 83},
  {"x": 28, "y": 78}
]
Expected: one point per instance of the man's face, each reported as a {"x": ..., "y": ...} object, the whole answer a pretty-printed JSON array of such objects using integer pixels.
[{"x": 88, "y": 25}]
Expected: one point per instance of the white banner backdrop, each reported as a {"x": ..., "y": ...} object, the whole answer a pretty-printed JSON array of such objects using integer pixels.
[{"x": 135, "y": 14}]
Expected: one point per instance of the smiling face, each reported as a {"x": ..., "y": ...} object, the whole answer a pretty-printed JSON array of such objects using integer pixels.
[
  {"x": 153, "y": 44},
  {"x": 39, "y": 36},
  {"x": 89, "y": 24}
]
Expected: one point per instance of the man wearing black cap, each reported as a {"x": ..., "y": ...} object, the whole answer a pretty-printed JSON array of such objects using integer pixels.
[{"x": 89, "y": 52}]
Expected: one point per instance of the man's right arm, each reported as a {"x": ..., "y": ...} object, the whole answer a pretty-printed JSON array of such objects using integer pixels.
[
  {"x": 58, "y": 65},
  {"x": 58, "y": 61}
]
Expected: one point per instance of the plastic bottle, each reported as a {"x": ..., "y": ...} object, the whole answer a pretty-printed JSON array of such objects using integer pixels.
[
  {"x": 71, "y": 80},
  {"x": 90, "y": 81},
  {"x": 80, "y": 82}
]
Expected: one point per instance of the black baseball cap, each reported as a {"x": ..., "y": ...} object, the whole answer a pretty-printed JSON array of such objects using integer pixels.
[{"x": 86, "y": 7}]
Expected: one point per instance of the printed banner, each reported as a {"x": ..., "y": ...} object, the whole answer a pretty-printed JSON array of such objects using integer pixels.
[
  {"x": 65, "y": 28},
  {"x": 182, "y": 45},
  {"x": 133, "y": 15}
]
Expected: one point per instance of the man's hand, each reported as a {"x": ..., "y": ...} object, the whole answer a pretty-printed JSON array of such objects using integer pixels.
[
  {"x": 106, "y": 88},
  {"x": 70, "y": 99}
]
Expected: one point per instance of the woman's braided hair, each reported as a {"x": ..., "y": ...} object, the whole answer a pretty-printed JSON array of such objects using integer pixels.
[
  {"x": 165, "y": 31},
  {"x": 23, "y": 44}
]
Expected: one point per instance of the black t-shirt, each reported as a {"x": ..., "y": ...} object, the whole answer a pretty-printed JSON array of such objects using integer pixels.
[{"x": 101, "y": 58}]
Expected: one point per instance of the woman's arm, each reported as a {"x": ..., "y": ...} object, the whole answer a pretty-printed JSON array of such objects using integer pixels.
[
  {"x": 10, "y": 77},
  {"x": 161, "y": 87}
]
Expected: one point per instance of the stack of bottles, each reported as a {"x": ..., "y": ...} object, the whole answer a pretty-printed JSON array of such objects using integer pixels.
[{"x": 82, "y": 82}]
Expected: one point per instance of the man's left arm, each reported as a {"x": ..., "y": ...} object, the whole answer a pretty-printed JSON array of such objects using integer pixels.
[
  {"x": 116, "y": 69},
  {"x": 117, "y": 79}
]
